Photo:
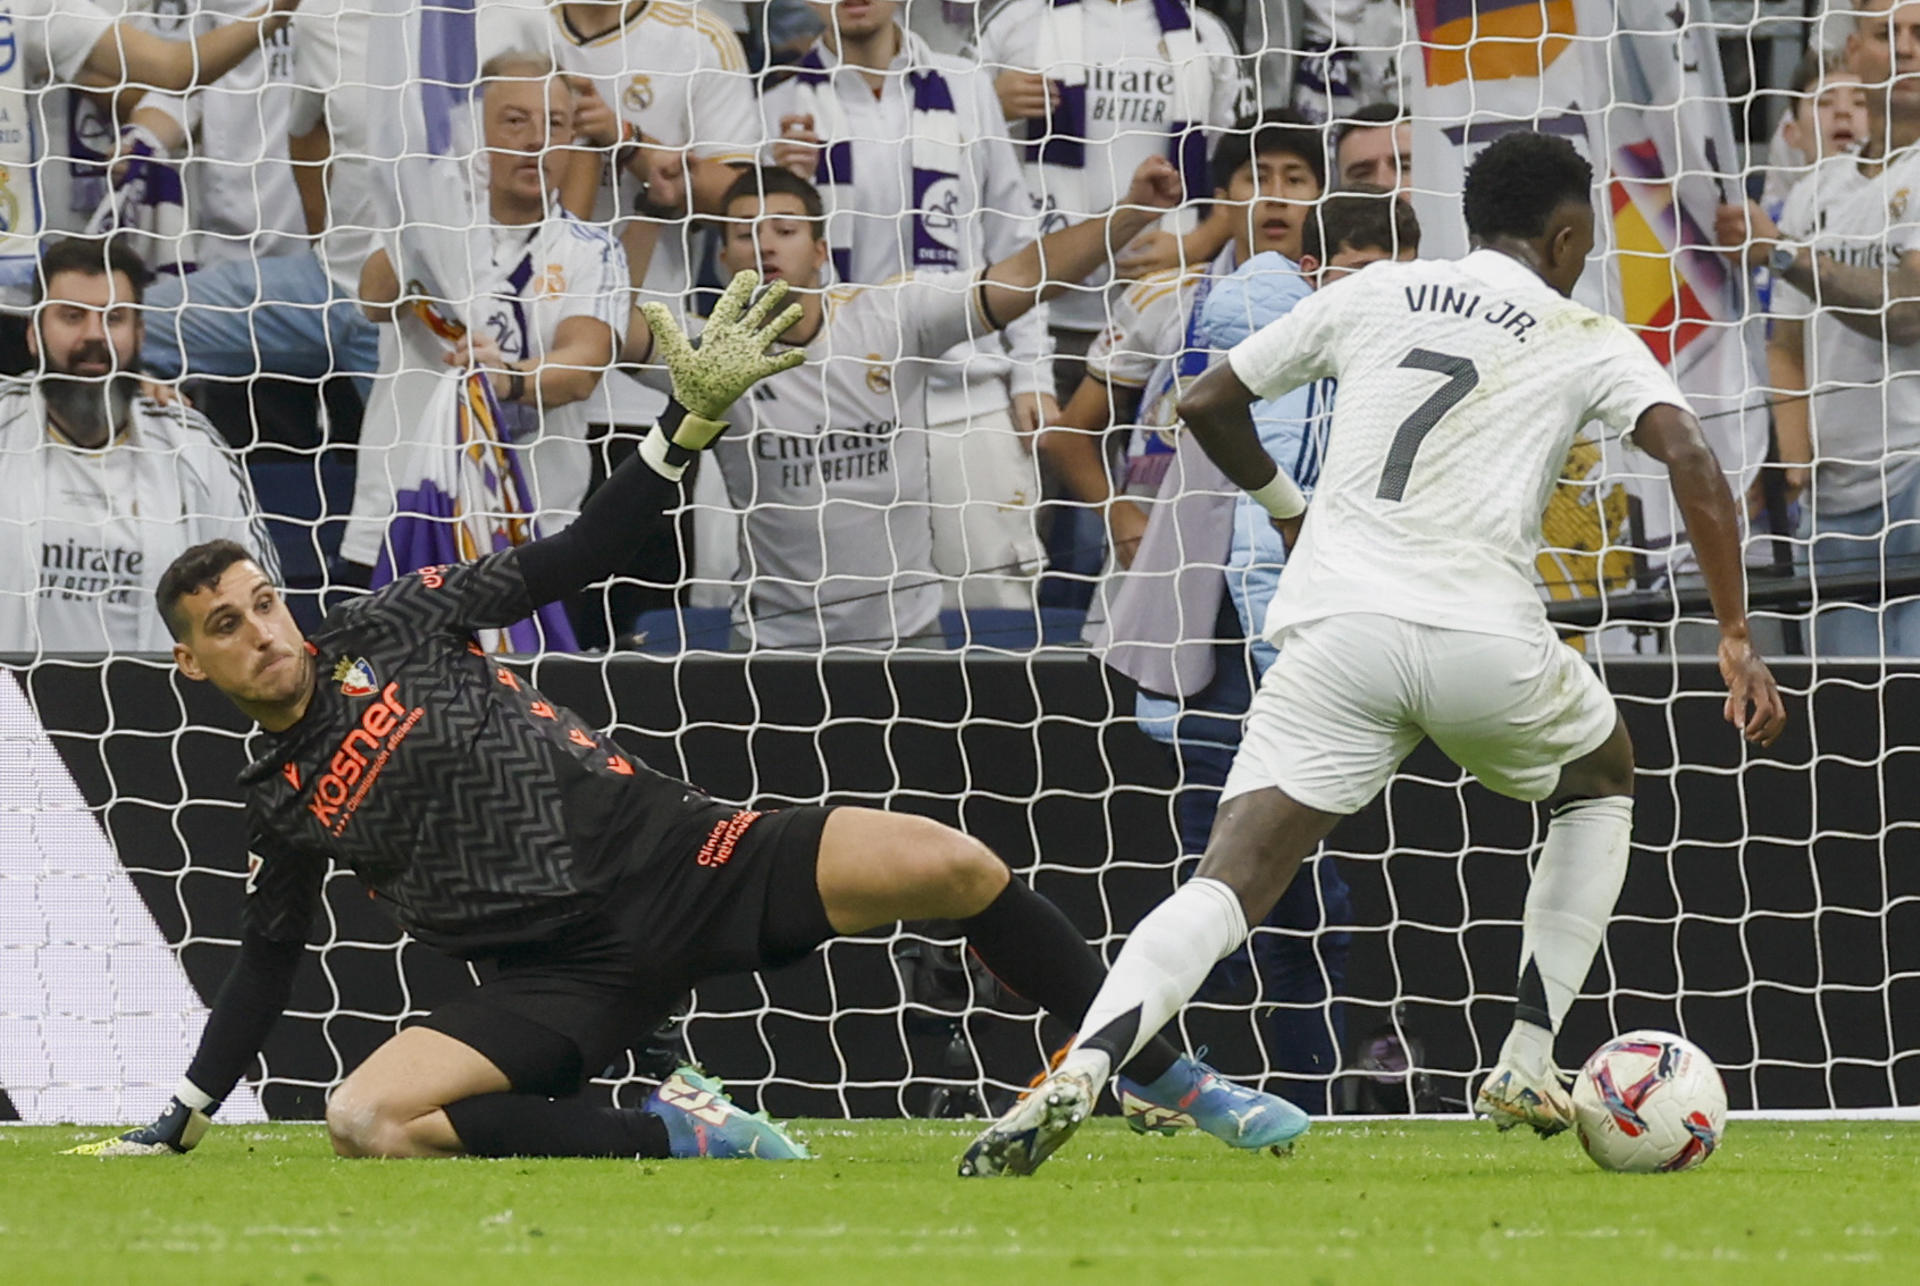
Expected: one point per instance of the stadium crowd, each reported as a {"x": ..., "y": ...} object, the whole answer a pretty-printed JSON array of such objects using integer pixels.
[{"x": 212, "y": 324}]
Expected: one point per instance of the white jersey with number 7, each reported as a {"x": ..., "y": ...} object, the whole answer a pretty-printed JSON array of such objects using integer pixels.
[{"x": 1462, "y": 385}]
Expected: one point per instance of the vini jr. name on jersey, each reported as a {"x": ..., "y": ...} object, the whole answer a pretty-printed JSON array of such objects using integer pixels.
[{"x": 1505, "y": 314}]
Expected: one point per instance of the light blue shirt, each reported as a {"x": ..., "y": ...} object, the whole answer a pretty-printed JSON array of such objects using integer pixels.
[{"x": 1293, "y": 430}]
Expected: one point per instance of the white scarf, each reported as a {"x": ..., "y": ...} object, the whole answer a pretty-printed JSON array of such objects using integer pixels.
[{"x": 933, "y": 133}]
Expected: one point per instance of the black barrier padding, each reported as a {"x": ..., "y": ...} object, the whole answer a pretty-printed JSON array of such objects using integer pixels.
[{"x": 1769, "y": 901}]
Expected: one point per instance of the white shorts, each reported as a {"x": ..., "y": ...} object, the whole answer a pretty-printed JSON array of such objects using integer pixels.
[{"x": 1352, "y": 695}]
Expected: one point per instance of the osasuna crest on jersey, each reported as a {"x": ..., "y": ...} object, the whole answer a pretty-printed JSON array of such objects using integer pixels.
[{"x": 355, "y": 677}]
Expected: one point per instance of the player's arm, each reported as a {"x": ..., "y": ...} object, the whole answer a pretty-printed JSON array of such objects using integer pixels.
[
  {"x": 506, "y": 586},
  {"x": 1673, "y": 437},
  {"x": 129, "y": 53},
  {"x": 282, "y": 894},
  {"x": 1010, "y": 288},
  {"x": 1218, "y": 411},
  {"x": 1276, "y": 359}
]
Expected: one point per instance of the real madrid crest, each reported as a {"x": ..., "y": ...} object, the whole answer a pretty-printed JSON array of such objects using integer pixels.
[
  {"x": 639, "y": 94},
  {"x": 1898, "y": 205},
  {"x": 879, "y": 377}
]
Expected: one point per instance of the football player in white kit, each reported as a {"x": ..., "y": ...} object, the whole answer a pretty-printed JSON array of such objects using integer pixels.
[{"x": 1407, "y": 610}]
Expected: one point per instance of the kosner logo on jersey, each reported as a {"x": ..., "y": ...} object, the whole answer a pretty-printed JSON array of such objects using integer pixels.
[{"x": 1637, "y": 86}]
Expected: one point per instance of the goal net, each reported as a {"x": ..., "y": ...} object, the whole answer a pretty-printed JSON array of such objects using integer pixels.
[{"x": 886, "y": 588}]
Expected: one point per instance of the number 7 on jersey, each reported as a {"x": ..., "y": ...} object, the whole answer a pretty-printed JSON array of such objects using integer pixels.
[{"x": 1462, "y": 378}]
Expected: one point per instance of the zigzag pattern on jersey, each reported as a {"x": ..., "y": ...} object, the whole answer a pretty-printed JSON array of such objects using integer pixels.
[
  {"x": 477, "y": 802},
  {"x": 465, "y": 825}
]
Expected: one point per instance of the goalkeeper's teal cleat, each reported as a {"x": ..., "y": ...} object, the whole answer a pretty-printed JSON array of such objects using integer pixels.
[
  {"x": 702, "y": 1121},
  {"x": 1192, "y": 1094}
]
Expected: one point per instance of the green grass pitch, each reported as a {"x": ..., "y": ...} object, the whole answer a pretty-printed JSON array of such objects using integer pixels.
[{"x": 1355, "y": 1203}]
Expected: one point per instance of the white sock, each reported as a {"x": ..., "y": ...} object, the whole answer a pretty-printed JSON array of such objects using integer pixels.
[
  {"x": 1575, "y": 885},
  {"x": 1164, "y": 962}
]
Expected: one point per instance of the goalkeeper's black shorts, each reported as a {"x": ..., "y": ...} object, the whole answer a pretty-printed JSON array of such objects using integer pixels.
[{"x": 743, "y": 896}]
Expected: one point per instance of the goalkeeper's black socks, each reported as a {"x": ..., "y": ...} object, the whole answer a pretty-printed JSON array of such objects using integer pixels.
[
  {"x": 527, "y": 1125},
  {"x": 1034, "y": 950}
]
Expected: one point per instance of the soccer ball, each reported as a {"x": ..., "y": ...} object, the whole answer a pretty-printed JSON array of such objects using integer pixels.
[{"x": 1649, "y": 1101}]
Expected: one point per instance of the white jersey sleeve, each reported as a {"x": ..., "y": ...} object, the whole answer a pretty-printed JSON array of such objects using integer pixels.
[
  {"x": 1145, "y": 329},
  {"x": 935, "y": 310},
  {"x": 1630, "y": 382},
  {"x": 1299, "y": 348},
  {"x": 1813, "y": 198}
]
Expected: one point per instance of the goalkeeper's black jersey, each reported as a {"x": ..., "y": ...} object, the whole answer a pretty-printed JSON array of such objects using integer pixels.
[{"x": 481, "y": 814}]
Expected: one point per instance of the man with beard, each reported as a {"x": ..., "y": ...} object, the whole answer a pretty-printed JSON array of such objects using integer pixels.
[{"x": 104, "y": 485}]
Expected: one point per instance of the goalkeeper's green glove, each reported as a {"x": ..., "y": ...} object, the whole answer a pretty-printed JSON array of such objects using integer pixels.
[
  {"x": 731, "y": 358},
  {"x": 179, "y": 1128}
]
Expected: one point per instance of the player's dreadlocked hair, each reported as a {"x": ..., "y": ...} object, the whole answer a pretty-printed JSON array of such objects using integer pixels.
[{"x": 1519, "y": 181}]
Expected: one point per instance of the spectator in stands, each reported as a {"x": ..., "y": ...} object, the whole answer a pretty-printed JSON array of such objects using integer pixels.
[
  {"x": 1094, "y": 87},
  {"x": 664, "y": 118},
  {"x": 1825, "y": 122},
  {"x": 550, "y": 316},
  {"x": 297, "y": 313},
  {"x": 247, "y": 232},
  {"x": 1193, "y": 639},
  {"x": 1375, "y": 149},
  {"x": 912, "y": 154},
  {"x": 1268, "y": 173},
  {"x": 62, "y": 43},
  {"x": 104, "y": 485},
  {"x": 1826, "y": 116},
  {"x": 1350, "y": 56},
  {"x": 1845, "y": 258},
  {"x": 836, "y": 545}
]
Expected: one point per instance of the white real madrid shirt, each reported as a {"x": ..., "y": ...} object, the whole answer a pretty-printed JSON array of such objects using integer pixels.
[
  {"x": 1462, "y": 385},
  {"x": 85, "y": 534},
  {"x": 241, "y": 196},
  {"x": 1866, "y": 391},
  {"x": 830, "y": 471},
  {"x": 1134, "y": 96},
  {"x": 541, "y": 275}
]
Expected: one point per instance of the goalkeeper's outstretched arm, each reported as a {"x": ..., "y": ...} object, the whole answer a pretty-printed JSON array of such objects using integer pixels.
[{"x": 250, "y": 1001}]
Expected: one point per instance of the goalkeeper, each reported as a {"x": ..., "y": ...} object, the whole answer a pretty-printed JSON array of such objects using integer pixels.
[{"x": 589, "y": 891}]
